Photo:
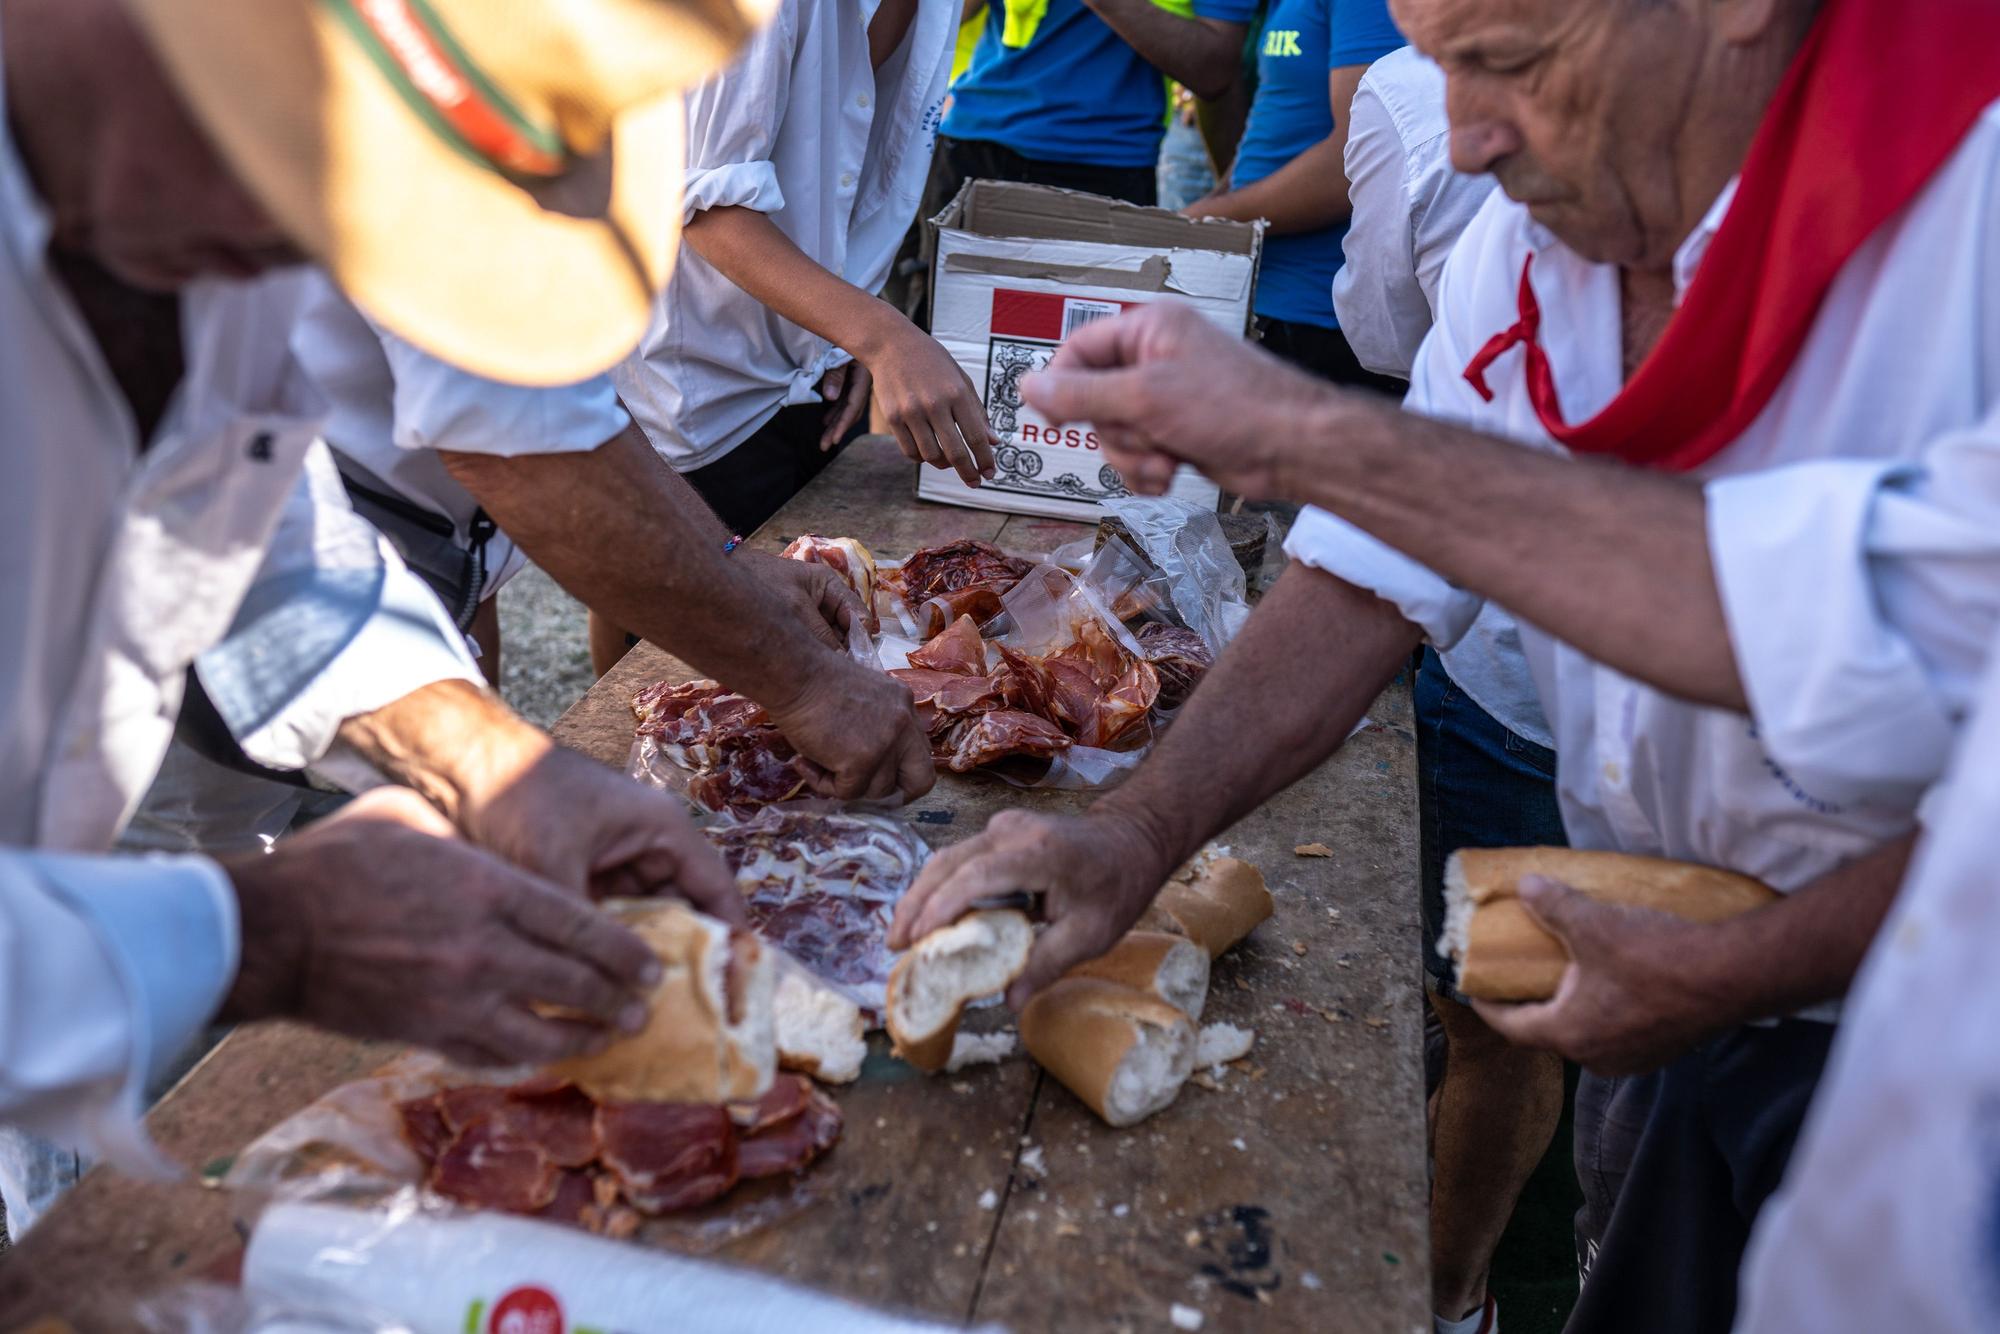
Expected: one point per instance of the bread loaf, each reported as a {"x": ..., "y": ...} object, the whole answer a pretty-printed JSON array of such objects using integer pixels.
[
  {"x": 1502, "y": 953},
  {"x": 1123, "y": 1052},
  {"x": 1213, "y": 901},
  {"x": 1171, "y": 967},
  {"x": 976, "y": 956}
]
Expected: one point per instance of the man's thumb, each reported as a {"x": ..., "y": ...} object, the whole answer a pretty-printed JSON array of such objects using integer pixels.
[{"x": 1558, "y": 908}]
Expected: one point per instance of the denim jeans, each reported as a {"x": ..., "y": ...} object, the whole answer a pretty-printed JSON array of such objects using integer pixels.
[
  {"x": 1478, "y": 786},
  {"x": 1184, "y": 172}
]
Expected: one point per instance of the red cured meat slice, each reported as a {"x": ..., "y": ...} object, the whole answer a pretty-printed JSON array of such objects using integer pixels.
[
  {"x": 1179, "y": 655},
  {"x": 461, "y": 1106},
  {"x": 483, "y": 1169},
  {"x": 784, "y": 1100},
  {"x": 955, "y": 565},
  {"x": 958, "y": 648},
  {"x": 1124, "y": 707},
  {"x": 424, "y": 1127},
  {"x": 668, "y": 1156},
  {"x": 792, "y": 1145},
  {"x": 751, "y": 776},
  {"x": 1003, "y": 733},
  {"x": 951, "y": 692},
  {"x": 575, "y": 1199},
  {"x": 979, "y": 603},
  {"x": 557, "y": 1121}
]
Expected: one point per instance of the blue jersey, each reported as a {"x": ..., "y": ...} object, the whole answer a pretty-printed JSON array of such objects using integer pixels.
[
  {"x": 1074, "y": 93},
  {"x": 1301, "y": 42}
]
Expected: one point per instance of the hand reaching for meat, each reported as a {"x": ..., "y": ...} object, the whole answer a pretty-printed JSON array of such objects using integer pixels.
[
  {"x": 817, "y": 595},
  {"x": 379, "y": 922},
  {"x": 861, "y": 729},
  {"x": 1095, "y": 872}
]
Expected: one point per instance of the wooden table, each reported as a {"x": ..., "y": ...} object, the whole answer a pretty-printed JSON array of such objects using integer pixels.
[{"x": 1293, "y": 1198}]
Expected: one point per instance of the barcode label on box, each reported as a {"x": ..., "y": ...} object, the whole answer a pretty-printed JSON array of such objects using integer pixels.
[{"x": 1077, "y": 313}]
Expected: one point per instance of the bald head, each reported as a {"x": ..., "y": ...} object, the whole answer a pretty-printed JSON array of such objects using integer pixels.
[{"x": 1617, "y": 122}]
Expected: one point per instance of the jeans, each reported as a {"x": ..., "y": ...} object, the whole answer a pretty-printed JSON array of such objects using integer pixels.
[
  {"x": 1478, "y": 786},
  {"x": 1184, "y": 173}
]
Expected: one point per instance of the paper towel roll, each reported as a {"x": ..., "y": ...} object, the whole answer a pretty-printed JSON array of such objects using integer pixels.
[{"x": 439, "y": 1273}]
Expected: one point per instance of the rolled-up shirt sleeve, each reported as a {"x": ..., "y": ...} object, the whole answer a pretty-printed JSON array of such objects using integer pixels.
[
  {"x": 438, "y": 406},
  {"x": 1382, "y": 307},
  {"x": 732, "y": 125},
  {"x": 334, "y": 626},
  {"x": 109, "y": 969},
  {"x": 1862, "y": 597}
]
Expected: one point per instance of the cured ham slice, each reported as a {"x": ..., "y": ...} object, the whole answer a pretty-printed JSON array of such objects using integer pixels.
[
  {"x": 485, "y": 1170},
  {"x": 460, "y": 1107},
  {"x": 964, "y": 578},
  {"x": 794, "y": 1143},
  {"x": 952, "y": 692},
  {"x": 1003, "y": 733},
  {"x": 558, "y": 1122},
  {"x": 1123, "y": 708},
  {"x": 846, "y": 558},
  {"x": 574, "y": 1201},
  {"x": 979, "y": 603},
  {"x": 1179, "y": 655},
  {"x": 957, "y": 648},
  {"x": 784, "y": 1100},
  {"x": 752, "y": 775},
  {"x": 740, "y": 760},
  {"x": 668, "y": 1156},
  {"x": 425, "y": 1128}
]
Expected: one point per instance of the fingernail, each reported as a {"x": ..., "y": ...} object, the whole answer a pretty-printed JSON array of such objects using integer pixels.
[
  {"x": 632, "y": 1018},
  {"x": 651, "y": 974}
]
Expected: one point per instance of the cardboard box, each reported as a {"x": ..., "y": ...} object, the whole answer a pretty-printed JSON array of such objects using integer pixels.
[{"x": 1019, "y": 268}]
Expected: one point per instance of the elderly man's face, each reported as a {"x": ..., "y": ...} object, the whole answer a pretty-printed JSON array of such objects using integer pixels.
[
  {"x": 1574, "y": 107},
  {"x": 127, "y": 175}
]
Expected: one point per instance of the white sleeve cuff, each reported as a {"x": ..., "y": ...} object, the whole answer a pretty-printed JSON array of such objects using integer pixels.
[
  {"x": 147, "y": 949},
  {"x": 1838, "y": 696},
  {"x": 439, "y": 406},
  {"x": 404, "y": 645},
  {"x": 752, "y": 185},
  {"x": 1443, "y": 612}
]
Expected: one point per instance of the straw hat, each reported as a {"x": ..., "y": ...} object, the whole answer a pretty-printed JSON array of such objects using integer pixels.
[{"x": 498, "y": 181}]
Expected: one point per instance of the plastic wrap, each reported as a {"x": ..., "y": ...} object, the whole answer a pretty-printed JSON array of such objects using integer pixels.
[
  {"x": 822, "y": 886},
  {"x": 321, "y": 1267},
  {"x": 1204, "y": 584}
]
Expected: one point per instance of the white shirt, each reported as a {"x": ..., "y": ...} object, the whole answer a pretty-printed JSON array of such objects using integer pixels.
[
  {"x": 1409, "y": 208},
  {"x": 1900, "y": 373},
  {"x": 392, "y": 406},
  {"x": 1886, "y": 1218},
  {"x": 802, "y": 128},
  {"x": 118, "y": 570}
]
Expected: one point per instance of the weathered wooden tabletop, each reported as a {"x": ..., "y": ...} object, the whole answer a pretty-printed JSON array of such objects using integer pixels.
[{"x": 1293, "y": 1198}]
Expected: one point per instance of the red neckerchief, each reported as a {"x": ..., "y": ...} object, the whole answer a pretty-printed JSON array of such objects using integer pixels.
[{"x": 1876, "y": 101}]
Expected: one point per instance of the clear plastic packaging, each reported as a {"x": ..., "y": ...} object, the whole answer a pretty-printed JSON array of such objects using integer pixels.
[{"x": 1204, "y": 584}]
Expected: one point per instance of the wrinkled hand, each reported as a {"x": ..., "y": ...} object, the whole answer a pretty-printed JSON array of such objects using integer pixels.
[
  {"x": 931, "y": 407},
  {"x": 1163, "y": 386},
  {"x": 1626, "y": 1004},
  {"x": 859, "y": 726},
  {"x": 592, "y": 830},
  {"x": 1095, "y": 872},
  {"x": 379, "y": 922},
  {"x": 821, "y": 599},
  {"x": 846, "y": 390}
]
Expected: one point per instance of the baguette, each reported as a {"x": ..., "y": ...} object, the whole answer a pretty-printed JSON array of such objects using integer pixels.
[
  {"x": 1502, "y": 953},
  {"x": 1124, "y": 1053},
  {"x": 1213, "y": 901},
  {"x": 977, "y": 955},
  {"x": 709, "y": 1031},
  {"x": 819, "y": 1031},
  {"x": 1171, "y": 967}
]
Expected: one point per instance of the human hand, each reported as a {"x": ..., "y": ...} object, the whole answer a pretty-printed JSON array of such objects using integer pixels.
[
  {"x": 820, "y": 598},
  {"x": 931, "y": 407},
  {"x": 1205, "y": 207},
  {"x": 859, "y": 726},
  {"x": 1627, "y": 1002},
  {"x": 1096, "y": 874},
  {"x": 1163, "y": 385},
  {"x": 593, "y": 831},
  {"x": 380, "y": 922},
  {"x": 846, "y": 390}
]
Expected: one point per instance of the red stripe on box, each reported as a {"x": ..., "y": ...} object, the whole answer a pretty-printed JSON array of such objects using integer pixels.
[{"x": 1027, "y": 314}]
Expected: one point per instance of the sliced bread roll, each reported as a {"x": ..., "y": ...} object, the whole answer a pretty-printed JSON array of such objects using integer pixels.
[
  {"x": 975, "y": 956},
  {"x": 820, "y": 1032},
  {"x": 1171, "y": 967},
  {"x": 1502, "y": 953},
  {"x": 1213, "y": 901},
  {"x": 1123, "y": 1052},
  {"x": 709, "y": 1036}
]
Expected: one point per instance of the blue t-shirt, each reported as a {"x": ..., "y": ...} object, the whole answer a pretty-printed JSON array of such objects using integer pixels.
[
  {"x": 1075, "y": 93},
  {"x": 1303, "y": 39}
]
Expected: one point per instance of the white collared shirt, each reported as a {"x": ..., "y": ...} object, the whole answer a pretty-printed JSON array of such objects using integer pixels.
[
  {"x": 802, "y": 128},
  {"x": 1886, "y": 1217},
  {"x": 1850, "y": 586},
  {"x": 1410, "y": 207},
  {"x": 119, "y": 569},
  {"x": 392, "y": 406}
]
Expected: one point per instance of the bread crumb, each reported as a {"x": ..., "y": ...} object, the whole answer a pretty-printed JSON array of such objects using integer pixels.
[
  {"x": 1120, "y": 1210},
  {"x": 1239, "y": 1145},
  {"x": 1313, "y": 850},
  {"x": 1192, "y": 1238},
  {"x": 1311, "y": 1281},
  {"x": 1299, "y": 947},
  {"x": 1185, "y": 1317},
  {"x": 1205, "y": 1080},
  {"x": 989, "y": 1201},
  {"x": 979, "y": 1049},
  {"x": 1032, "y": 1160},
  {"x": 1221, "y": 1043},
  {"x": 1068, "y": 1230}
]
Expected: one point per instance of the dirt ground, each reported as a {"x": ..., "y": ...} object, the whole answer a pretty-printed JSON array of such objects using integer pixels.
[{"x": 544, "y": 657}]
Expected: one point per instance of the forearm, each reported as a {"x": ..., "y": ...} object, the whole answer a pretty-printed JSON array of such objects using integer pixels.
[
  {"x": 453, "y": 742},
  {"x": 1191, "y": 52},
  {"x": 1304, "y": 195},
  {"x": 1299, "y": 675},
  {"x": 625, "y": 535},
  {"x": 1807, "y": 947},
  {"x": 1609, "y": 559},
  {"x": 750, "y": 250}
]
